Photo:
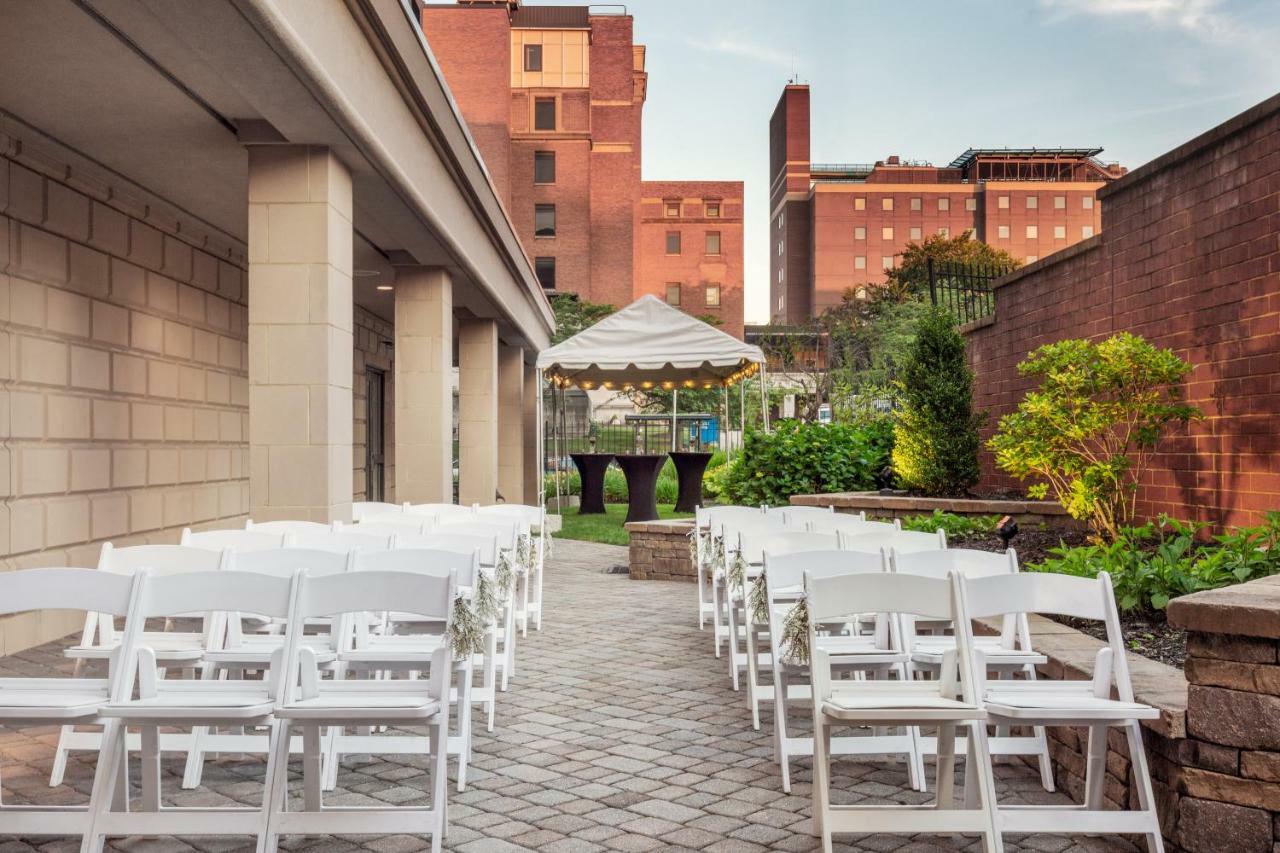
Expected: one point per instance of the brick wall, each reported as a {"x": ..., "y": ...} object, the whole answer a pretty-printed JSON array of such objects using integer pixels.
[
  {"x": 1188, "y": 257},
  {"x": 125, "y": 403}
]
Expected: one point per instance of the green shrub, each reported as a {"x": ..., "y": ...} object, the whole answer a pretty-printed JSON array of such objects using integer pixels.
[
  {"x": 570, "y": 484},
  {"x": 1090, "y": 428},
  {"x": 805, "y": 458},
  {"x": 953, "y": 524},
  {"x": 936, "y": 441},
  {"x": 1159, "y": 561}
]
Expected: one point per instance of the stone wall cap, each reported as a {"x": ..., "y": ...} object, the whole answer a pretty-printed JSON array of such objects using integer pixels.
[
  {"x": 674, "y": 527},
  {"x": 1249, "y": 609},
  {"x": 875, "y": 500}
]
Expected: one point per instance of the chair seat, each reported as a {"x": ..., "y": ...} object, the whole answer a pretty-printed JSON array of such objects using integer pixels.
[
  {"x": 52, "y": 698},
  {"x": 890, "y": 700},
  {"x": 365, "y": 702},
  {"x": 168, "y": 646},
  {"x": 929, "y": 651},
  {"x": 219, "y": 700},
  {"x": 251, "y": 657},
  {"x": 1032, "y": 704}
]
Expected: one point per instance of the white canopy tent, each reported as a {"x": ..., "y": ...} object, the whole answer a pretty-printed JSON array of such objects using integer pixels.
[{"x": 649, "y": 344}]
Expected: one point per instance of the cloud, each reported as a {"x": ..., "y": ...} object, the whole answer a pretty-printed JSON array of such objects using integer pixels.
[{"x": 743, "y": 47}]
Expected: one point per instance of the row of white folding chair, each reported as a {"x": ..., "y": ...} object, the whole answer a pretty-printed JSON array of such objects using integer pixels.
[{"x": 962, "y": 698}]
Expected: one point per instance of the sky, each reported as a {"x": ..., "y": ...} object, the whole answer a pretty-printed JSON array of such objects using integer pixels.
[{"x": 929, "y": 78}]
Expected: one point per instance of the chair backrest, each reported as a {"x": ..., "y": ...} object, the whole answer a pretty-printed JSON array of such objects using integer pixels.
[
  {"x": 754, "y": 544},
  {"x": 523, "y": 513},
  {"x": 240, "y": 541},
  {"x": 360, "y": 509},
  {"x": 288, "y": 526},
  {"x": 161, "y": 559},
  {"x": 66, "y": 589},
  {"x": 843, "y": 522},
  {"x": 801, "y": 514},
  {"x": 968, "y": 562},
  {"x": 172, "y": 595},
  {"x": 786, "y": 571},
  {"x": 425, "y": 595},
  {"x": 759, "y": 524},
  {"x": 388, "y": 524},
  {"x": 458, "y": 543},
  {"x": 464, "y": 566},
  {"x": 344, "y": 541},
  {"x": 904, "y": 541},
  {"x": 719, "y": 516},
  {"x": 506, "y": 532},
  {"x": 287, "y": 561},
  {"x": 438, "y": 510}
]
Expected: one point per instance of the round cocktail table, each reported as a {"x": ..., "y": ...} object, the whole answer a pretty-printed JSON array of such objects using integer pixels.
[
  {"x": 591, "y": 467},
  {"x": 690, "y": 466},
  {"x": 641, "y": 471}
]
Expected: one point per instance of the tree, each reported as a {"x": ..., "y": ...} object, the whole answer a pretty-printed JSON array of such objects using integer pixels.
[
  {"x": 936, "y": 439},
  {"x": 1089, "y": 430},
  {"x": 796, "y": 356},
  {"x": 574, "y": 314},
  {"x": 910, "y": 277}
]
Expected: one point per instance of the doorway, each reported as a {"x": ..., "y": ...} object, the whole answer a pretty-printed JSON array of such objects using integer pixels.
[{"x": 375, "y": 440}]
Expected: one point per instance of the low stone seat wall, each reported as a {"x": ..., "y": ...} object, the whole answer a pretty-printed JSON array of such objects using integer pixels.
[
  {"x": 876, "y": 505},
  {"x": 660, "y": 550}
]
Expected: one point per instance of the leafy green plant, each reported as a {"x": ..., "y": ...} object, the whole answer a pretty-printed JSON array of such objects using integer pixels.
[
  {"x": 1088, "y": 432},
  {"x": 1156, "y": 562},
  {"x": 799, "y": 458},
  {"x": 936, "y": 441},
  {"x": 953, "y": 524}
]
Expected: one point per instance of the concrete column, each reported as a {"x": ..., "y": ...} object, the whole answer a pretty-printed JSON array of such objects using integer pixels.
[
  {"x": 300, "y": 334},
  {"x": 511, "y": 423},
  {"x": 477, "y": 411},
  {"x": 532, "y": 452},
  {"x": 424, "y": 385}
]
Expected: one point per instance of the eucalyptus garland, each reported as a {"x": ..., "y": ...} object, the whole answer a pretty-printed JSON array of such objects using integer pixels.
[
  {"x": 485, "y": 599},
  {"x": 795, "y": 634},
  {"x": 738, "y": 572},
  {"x": 466, "y": 632},
  {"x": 524, "y": 555},
  {"x": 759, "y": 600},
  {"x": 503, "y": 574},
  {"x": 694, "y": 537},
  {"x": 717, "y": 551}
]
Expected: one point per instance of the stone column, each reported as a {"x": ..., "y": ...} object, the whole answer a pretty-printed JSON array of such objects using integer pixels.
[
  {"x": 300, "y": 334},
  {"x": 511, "y": 423},
  {"x": 477, "y": 411},
  {"x": 424, "y": 385},
  {"x": 532, "y": 452}
]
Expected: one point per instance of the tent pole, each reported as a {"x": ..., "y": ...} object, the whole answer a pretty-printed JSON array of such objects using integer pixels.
[
  {"x": 742, "y": 409},
  {"x": 675, "y": 422},
  {"x": 724, "y": 421},
  {"x": 764, "y": 397}
]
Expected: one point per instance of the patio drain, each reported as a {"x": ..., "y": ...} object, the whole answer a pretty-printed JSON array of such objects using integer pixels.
[{"x": 616, "y": 570}]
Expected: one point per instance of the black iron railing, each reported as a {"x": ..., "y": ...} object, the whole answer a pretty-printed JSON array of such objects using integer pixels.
[{"x": 964, "y": 289}]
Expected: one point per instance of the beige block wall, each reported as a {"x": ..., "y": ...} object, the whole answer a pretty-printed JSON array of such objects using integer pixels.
[
  {"x": 371, "y": 350},
  {"x": 124, "y": 408}
]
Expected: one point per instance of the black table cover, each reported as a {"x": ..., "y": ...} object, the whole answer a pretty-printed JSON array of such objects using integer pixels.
[
  {"x": 690, "y": 466},
  {"x": 591, "y": 467},
  {"x": 641, "y": 471}
]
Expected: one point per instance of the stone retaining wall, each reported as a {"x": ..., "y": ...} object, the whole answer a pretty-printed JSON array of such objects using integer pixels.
[
  {"x": 876, "y": 505},
  {"x": 660, "y": 551}
]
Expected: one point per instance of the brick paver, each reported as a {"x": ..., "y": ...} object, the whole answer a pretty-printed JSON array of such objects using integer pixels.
[{"x": 620, "y": 733}]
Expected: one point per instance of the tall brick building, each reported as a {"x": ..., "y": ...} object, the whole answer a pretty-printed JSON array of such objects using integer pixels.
[
  {"x": 554, "y": 96},
  {"x": 839, "y": 226}
]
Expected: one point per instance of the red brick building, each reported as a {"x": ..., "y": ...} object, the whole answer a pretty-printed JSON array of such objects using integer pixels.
[
  {"x": 839, "y": 226},
  {"x": 554, "y": 96}
]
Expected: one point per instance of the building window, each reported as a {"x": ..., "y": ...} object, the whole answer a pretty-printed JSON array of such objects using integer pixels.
[
  {"x": 886, "y": 203},
  {"x": 859, "y": 232},
  {"x": 1033, "y": 232},
  {"x": 779, "y": 248},
  {"x": 782, "y": 219},
  {"x": 1002, "y": 232},
  {"x": 713, "y": 242},
  {"x": 944, "y": 204},
  {"x": 1059, "y": 202},
  {"x": 671, "y": 209},
  {"x": 673, "y": 243},
  {"x": 533, "y": 57},
  {"x": 970, "y": 204},
  {"x": 712, "y": 294},
  {"x": 1031, "y": 259},
  {"x": 1002, "y": 202},
  {"x": 713, "y": 210},
  {"x": 886, "y": 233},
  {"x": 859, "y": 262},
  {"x": 1086, "y": 231},
  {"x": 886, "y": 262},
  {"x": 859, "y": 203},
  {"x": 915, "y": 204},
  {"x": 1033, "y": 202},
  {"x": 544, "y": 113},
  {"x": 1088, "y": 202},
  {"x": 673, "y": 293},
  {"x": 546, "y": 270},
  {"x": 544, "y": 220},
  {"x": 1059, "y": 232},
  {"x": 944, "y": 231},
  {"x": 544, "y": 167},
  {"x": 915, "y": 232}
]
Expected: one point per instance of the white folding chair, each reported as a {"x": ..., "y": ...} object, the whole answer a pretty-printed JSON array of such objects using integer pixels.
[
  {"x": 405, "y": 646},
  {"x": 752, "y": 547},
  {"x": 242, "y": 652},
  {"x": 510, "y": 533},
  {"x": 282, "y": 526},
  {"x": 167, "y": 703},
  {"x": 359, "y": 509},
  {"x": 99, "y": 639},
  {"x": 1007, "y": 655},
  {"x": 948, "y": 703},
  {"x": 318, "y": 703},
  {"x": 53, "y": 701},
  {"x": 536, "y": 519},
  {"x": 902, "y": 541},
  {"x": 864, "y": 654},
  {"x": 1070, "y": 703},
  {"x": 240, "y": 541}
]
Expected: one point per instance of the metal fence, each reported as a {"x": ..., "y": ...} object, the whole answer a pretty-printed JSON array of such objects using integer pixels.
[{"x": 964, "y": 289}]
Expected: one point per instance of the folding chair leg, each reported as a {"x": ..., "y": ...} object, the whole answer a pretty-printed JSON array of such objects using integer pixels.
[
  {"x": 150, "y": 769},
  {"x": 439, "y": 735},
  {"x": 1046, "y": 762},
  {"x": 60, "y": 756},
  {"x": 464, "y": 724},
  {"x": 1146, "y": 796},
  {"x": 978, "y": 762},
  {"x": 312, "y": 781},
  {"x": 916, "y": 775},
  {"x": 490, "y": 676},
  {"x": 946, "y": 766},
  {"x": 821, "y": 781},
  {"x": 1095, "y": 771},
  {"x": 110, "y": 784},
  {"x": 195, "y": 752},
  {"x": 780, "y": 726},
  {"x": 276, "y": 789},
  {"x": 753, "y": 671}
]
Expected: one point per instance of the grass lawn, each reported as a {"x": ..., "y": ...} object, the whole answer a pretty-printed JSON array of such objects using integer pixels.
[{"x": 606, "y": 528}]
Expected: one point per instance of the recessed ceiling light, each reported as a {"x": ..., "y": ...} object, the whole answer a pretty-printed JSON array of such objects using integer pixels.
[
  {"x": 365, "y": 273},
  {"x": 384, "y": 287}
]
